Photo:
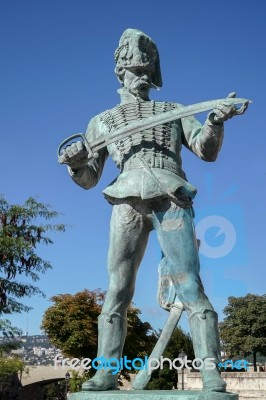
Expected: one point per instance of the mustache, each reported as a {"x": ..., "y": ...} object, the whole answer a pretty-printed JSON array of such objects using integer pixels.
[{"x": 138, "y": 82}]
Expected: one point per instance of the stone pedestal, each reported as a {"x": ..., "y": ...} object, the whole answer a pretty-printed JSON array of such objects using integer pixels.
[{"x": 152, "y": 395}]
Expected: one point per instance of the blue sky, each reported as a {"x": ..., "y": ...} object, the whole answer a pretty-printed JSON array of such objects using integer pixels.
[{"x": 57, "y": 72}]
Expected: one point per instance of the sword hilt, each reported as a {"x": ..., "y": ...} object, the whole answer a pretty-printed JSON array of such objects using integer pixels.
[{"x": 91, "y": 154}]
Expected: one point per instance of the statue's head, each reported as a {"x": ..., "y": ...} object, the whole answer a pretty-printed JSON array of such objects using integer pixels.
[{"x": 137, "y": 55}]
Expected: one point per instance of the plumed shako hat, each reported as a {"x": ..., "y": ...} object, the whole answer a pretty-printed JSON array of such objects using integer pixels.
[{"x": 136, "y": 49}]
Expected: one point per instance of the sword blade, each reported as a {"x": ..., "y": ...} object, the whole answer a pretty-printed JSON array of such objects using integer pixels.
[
  {"x": 158, "y": 119},
  {"x": 144, "y": 375}
]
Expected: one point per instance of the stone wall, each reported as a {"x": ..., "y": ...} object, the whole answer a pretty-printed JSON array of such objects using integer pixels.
[{"x": 248, "y": 385}]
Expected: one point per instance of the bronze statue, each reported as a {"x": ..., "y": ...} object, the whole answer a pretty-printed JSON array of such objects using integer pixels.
[{"x": 151, "y": 192}]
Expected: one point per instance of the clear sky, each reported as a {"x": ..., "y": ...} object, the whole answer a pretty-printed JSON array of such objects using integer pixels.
[{"x": 57, "y": 72}]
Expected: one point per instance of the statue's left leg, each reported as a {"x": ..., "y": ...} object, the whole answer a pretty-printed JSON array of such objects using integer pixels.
[
  {"x": 176, "y": 235},
  {"x": 206, "y": 343}
]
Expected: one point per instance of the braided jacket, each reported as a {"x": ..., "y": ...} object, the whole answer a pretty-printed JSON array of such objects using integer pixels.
[{"x": 149, "y": 161}]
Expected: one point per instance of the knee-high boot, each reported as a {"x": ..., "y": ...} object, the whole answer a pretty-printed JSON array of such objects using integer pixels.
[
  {"x": 206, "y": 343},
  {"x": 111, "y": 338}
]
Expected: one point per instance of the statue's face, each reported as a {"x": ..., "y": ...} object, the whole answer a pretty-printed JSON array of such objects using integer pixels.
[{"x": 138, "y": 81}]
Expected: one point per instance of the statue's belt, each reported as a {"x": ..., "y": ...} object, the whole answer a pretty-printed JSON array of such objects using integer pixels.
[
  {"x": 154, "y": 161},
  {"x": 150, "y": 122}
]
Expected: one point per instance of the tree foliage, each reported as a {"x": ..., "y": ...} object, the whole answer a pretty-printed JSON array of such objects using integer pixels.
[
  {"x": 21, "y": 230},
  {"x": 12, "y": 365},
  {"x": 243, "y": 331},
  {"x": 141, "y": 337},
  {"x": 8, "y": 331},
  {"x": 55, "y": 391},
  {"x": 71, "y": 324},
  {"x": 76, "y": 380}
]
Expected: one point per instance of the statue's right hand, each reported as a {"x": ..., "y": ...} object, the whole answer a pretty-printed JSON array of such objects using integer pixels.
[{"x": 75, "y": 155}]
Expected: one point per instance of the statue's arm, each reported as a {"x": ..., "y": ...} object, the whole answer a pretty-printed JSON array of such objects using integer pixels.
[
  {"x": 203, "y": 140},
  {"x": 86, "y": 173},
  {"x": 206, "y": 140}
]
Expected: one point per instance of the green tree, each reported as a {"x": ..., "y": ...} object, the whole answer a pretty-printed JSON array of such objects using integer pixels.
[
  {"x": 9, "y": 366},
  {"x": 8, "y": 331},
  {"x": 55, "y": 391},
  {"x": 243, "y": 331},
  {"x": 166, "y": 378},
  {"x": 21, "y": 230},
  {"x": 76, "y": 380},
  {"x": 10, "y": 369},
  {"x": 71, "y": 324}
]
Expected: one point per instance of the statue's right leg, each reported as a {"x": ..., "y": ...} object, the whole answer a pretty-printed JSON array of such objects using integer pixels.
[{"x": 128, "y": 240}]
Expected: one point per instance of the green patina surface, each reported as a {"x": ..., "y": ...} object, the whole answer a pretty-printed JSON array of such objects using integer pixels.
[
  {"x": 152, "y": 394},
  {"x": 150, "y": 193}
]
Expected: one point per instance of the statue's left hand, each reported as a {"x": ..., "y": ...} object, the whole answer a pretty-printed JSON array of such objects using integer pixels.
[{"x": 226, "y": 110}]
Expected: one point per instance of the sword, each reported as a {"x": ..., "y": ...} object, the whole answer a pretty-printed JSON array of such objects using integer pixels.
[
  {"x": 144, "y": 375},
  {"x": 150, "y": 122}
]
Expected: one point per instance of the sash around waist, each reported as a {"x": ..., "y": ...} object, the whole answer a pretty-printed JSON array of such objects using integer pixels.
[{"x": 153, "y": 162}]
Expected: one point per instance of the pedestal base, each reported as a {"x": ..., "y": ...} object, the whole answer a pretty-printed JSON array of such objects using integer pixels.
[{"x": 152, "y": 395}]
